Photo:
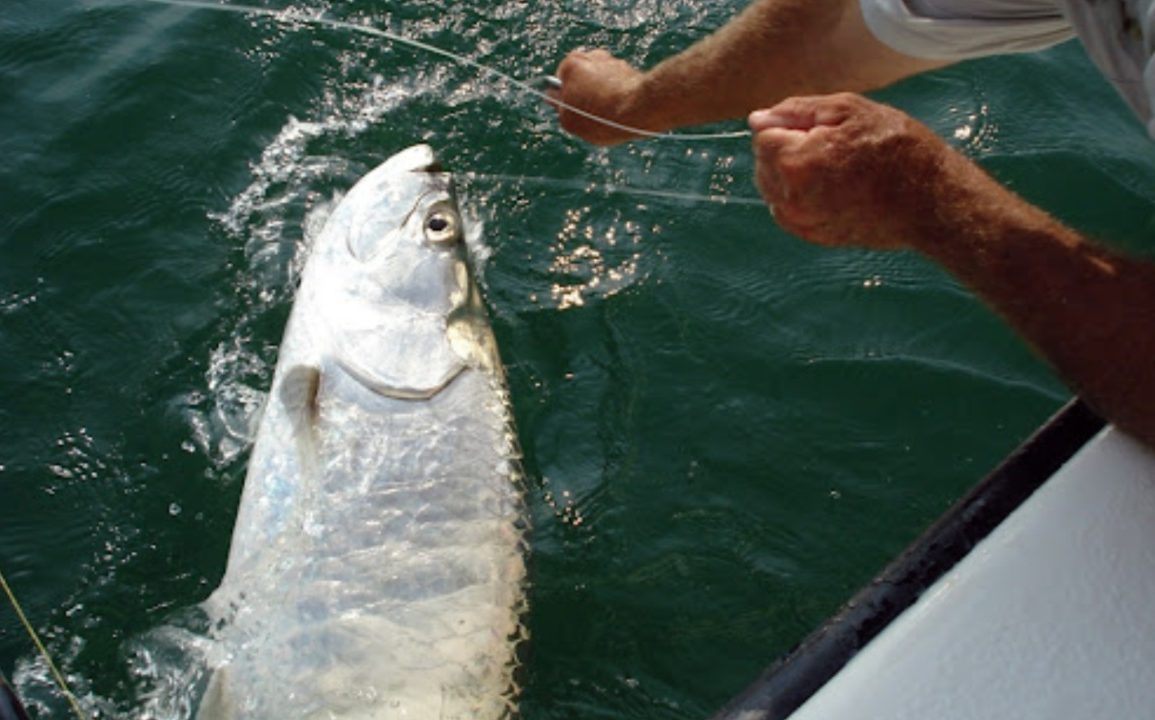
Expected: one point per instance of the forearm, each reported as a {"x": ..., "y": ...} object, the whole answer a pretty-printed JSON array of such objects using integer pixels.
[
  {"x": 773, "y": 50},
  {"x": 1089, "y": 312},
  {"x": 842, "y": 170}
]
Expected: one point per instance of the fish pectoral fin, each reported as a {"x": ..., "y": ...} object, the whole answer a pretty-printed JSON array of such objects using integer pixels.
[
  {"x": 299, "y": 393},
  {"x": 398, "y": 392},
  {"x": 215, "y": 703}
]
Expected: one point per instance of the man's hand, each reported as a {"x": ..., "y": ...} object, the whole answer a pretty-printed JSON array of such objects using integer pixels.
[
  {"x": 842, "y": 170},
  {"x": 772, "y": 50},
  {"x": 603, "y": 85}
]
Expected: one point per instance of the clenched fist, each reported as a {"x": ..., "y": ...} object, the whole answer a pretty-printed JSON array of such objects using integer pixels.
[
  {"x": 603, "y": 85},
  {"x": 843, "y": 170}
]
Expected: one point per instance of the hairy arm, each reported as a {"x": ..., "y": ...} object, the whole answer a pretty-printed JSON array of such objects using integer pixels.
[
  {"x": 773, "y": 50},
  {"x": 1088, "y": 311}
]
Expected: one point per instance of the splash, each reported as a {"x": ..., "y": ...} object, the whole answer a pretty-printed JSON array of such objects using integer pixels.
[{"x": 297, "y": 17}]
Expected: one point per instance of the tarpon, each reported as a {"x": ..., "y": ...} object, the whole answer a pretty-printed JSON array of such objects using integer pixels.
[{"x": 377, "y": 565}]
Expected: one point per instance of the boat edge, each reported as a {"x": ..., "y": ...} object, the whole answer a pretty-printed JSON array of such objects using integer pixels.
[{"x": 789, "y": 682}]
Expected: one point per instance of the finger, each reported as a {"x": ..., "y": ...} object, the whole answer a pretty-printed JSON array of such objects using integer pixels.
[
  {"x": 778, "y": 119},
  {"x": 580, "y": 60},
  {"x": 804, "y": 113},
  {"x": 767, "y": 188},
  {"x": 548, "y": 83},
  {"x": 772, "y": 143},
  {"x": 550, "y": 86},
  {"x": 768, "y": 180},
  {"x": 570, "y": 64},
  {"x": 799, "y": 224}
]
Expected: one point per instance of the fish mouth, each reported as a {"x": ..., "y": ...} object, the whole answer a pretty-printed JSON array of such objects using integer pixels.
[
  {"x": 419, "y": 158},
  {"x": 432, "y": 168}
]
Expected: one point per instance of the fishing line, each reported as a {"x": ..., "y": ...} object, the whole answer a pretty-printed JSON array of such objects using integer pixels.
[
  {"x": 43, "y": 650},
  {"x": 288, "y": 17},
  {"x": 612, "y": 189}
]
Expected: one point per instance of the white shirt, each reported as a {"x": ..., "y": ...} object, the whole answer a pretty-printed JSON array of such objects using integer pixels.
[{"x": 1119, "y": 35}]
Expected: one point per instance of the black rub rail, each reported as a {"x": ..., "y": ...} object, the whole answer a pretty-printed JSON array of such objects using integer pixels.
[{"x": 791, "y": 681}]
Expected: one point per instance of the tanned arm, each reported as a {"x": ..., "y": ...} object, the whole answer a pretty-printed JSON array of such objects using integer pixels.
[
  {"x": 773, "y": 50},
  {"x": 1088, "y": 311}
]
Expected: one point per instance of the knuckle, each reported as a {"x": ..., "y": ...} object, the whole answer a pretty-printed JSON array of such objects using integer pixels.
[
  {"x": 794, "y": 104},
  {"x": 566, "y": 68},
  {"x": 848, "y": 100},
  {"x": 768, "y": 145},
  {"x": 789, "y": 221},
  {"x": 764, "y": 145},
  {"x": 795, "y": 168},
  {"x": 574, "y": 60}
]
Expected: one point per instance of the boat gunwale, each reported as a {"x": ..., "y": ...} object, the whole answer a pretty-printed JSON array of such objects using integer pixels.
[{"x": 788, "y": 683}]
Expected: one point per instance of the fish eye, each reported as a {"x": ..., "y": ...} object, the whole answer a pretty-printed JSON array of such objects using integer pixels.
[{"x": 442, "y": 225}]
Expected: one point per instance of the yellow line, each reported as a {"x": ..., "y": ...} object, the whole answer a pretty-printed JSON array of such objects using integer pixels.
[{"x": 43, "y": 650}]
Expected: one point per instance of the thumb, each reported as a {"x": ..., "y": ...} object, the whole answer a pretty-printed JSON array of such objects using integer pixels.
[
  {"x": 777, "y": 119},
  {"x": 804, "y": 113}
]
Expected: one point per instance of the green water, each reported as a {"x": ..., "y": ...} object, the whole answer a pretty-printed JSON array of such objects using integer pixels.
[{"x": 726, "y": 430}]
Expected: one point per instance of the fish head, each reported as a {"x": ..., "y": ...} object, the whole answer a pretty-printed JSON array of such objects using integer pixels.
[
  {"x": 405, "y": 235},
  {"x": 394, "y": 279}
]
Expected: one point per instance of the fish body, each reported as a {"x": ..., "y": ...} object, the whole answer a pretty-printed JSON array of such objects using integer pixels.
[{"x": 377, "y": 564}]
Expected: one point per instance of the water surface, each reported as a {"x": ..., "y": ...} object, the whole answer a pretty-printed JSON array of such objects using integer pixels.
[{"x": 727, "y": 431}]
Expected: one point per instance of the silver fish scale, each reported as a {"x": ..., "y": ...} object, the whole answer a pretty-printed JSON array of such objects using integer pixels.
[{"x": 377, "y": 565}]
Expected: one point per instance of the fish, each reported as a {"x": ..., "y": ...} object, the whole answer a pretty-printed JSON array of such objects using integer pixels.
[{"x": 378, "y": 560}]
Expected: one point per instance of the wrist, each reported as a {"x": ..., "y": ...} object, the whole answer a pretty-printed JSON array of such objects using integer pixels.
[
  {"x": 975, "y": 221},
  {"x": 962, "y": 204},
  {"x": 645, "y": 104}
]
